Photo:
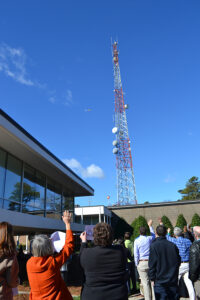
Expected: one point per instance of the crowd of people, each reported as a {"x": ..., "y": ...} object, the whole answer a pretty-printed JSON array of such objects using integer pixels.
[{"x": 166, "y": 263}]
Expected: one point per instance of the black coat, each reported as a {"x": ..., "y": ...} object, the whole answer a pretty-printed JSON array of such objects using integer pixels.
[
  {"x": 164, "y": 262},
  {"x": 105, "y": 273},
  {"x": 194, "y": 262},
  {"x": 188, "y": 235}
]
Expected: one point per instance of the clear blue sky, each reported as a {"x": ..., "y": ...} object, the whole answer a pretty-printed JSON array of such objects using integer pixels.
[{"x": 56, "y": 63}]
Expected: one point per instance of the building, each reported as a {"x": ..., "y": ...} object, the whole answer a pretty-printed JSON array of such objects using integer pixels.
[
  {"x": 35, "y": 186},
  {"x": 91, "y": 215},
  {"x": 155, "y": 211}
]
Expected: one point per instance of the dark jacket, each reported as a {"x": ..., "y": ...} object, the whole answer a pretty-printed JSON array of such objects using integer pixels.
[
  {"x": 164, "y": 262},
  {"x": 105, "y": 273},
  {"x": 194, "y": 261},
  {"x": 188, "y": 235}
]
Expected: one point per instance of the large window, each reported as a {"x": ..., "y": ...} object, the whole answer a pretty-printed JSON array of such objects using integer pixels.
[
  {"x": 2, "y": 173},
  {"x": 23, "y": 188},
  {"x": 12, "y": 193},
  {"x": 53, "y": 200},
  {"x": 68, "y": 202},
  {"x": 33, "y": 191}
]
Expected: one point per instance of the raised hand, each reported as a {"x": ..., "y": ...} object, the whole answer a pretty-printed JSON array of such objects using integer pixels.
[
  {"x": 150, "y": 222},
  {"x": 67, "y": 218},
  {"x": 83, "y": 237}
]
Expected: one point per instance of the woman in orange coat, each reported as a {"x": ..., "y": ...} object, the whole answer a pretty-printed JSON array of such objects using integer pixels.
[{"x": 44, "y": 267}]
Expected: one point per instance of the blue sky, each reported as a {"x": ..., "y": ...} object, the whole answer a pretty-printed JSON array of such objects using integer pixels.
[{"x": 56, "y": 63}]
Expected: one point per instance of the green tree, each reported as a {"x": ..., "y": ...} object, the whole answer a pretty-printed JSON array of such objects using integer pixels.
[
  {"x": 167, "y": 223},
  {"x": 181, "y": 221},
  {"x": 29, "y": 193},
  {"x": 195, "y": 220},
  {"x": 137, "y": 223},
  {"x": 191, "y": 190}
]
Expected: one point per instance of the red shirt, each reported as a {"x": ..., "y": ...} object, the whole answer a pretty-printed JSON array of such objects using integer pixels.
[{"x": 44, "y": 274}]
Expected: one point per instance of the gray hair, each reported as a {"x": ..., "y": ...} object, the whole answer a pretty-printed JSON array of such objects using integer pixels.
[
  {"x": 42, "y": 246},
  {"x": 177, "y": 231},
  {"x": 196, "y": 230}
]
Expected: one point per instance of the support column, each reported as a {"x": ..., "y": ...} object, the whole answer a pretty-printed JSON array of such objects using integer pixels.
[
  {"x": 27, "y": 243},
  {"x": 81, "y": 215},
  {"x": 99, "y": 214}
]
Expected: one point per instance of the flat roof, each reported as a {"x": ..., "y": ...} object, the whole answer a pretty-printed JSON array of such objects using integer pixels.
[
  {"x": 155, "y": 204},
  {"x": 16, "y": 140},
  {"x": 92, "y": 210}
]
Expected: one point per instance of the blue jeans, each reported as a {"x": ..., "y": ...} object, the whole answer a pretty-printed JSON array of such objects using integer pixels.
[{"x": 165, "y": 292}]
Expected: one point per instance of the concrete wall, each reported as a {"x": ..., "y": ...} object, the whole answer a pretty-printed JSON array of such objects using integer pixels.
[
  {"x": 156, "y": 210},
  {"x": 28, "y": 224}
]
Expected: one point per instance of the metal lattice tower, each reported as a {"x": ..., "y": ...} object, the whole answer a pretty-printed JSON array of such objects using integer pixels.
[{"x": 126, "y": 192}]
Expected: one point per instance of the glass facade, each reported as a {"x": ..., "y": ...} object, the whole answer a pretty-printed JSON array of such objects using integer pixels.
[
  {"x": 33, "y": 198},
  {"x": 12, "y": 192},
  {"x": 54, "y": 199},
  {"x": 2, "y": 174},
  {"x": 25, "y": 189}
]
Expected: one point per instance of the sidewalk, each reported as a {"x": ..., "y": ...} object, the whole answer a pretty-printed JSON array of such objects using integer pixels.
[{"x": 135, "y": 297}]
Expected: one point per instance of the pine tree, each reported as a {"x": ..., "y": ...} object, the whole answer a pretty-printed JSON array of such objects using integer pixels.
[
  {"x": 191, "y": 190},
  {"x": 195, "y": 220},
  {"x": 133, "y": 225},
  {"x": 181, "y": 221},
  {"x": 167, "y": 223},
  {"x": 137, "y": 223}
]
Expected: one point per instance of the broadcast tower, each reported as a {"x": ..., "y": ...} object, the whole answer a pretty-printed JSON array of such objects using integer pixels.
[{"x": 126, "y": 192}]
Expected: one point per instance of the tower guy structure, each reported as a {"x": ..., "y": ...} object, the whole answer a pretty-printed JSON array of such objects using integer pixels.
[{"x": 126, "y": 191}]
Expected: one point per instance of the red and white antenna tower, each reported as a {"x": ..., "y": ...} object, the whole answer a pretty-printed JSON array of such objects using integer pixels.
[{"x": 126, "y": 192}]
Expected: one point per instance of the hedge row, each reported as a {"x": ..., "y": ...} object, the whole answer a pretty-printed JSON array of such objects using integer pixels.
[{"x": 181, "y": 222}]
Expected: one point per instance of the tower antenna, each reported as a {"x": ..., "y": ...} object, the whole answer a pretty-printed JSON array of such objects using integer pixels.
[{"x": 126, "y": 191}]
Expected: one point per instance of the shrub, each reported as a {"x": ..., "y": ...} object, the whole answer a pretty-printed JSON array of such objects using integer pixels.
[
  {"x": 181, "y": 221},
  {"x": 167, "y": 223},
  {"x": 195, "y": 220},
  {"x": 137, "y": 223}
]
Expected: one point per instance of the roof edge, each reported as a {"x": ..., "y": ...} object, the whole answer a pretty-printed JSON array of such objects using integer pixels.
[
  {"x": 7, "y": 117},
  {"x": 154, "y": 204}
]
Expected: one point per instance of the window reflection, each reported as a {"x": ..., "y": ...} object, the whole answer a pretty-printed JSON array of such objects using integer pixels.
[
  {"x": 68, "y": 202},
  {"x": 2, "y": 171},
  {"x": 13, "y": 183},
  {"x": 53, "y": 200},
  {"x": 31, "y": 199},
  {"x": 33, "y": 191},
  {"x": 11, "y": 205}
]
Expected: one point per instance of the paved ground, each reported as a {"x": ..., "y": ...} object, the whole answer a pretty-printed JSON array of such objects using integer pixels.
[{"x": 136, "y": 297}]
